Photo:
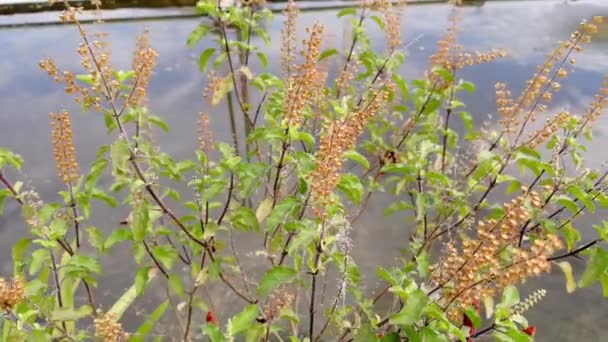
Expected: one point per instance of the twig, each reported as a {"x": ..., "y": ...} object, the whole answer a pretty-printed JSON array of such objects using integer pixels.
[
  {"x": 10, "y": 188},
  {"x": 158, "y": 265},
  {"x": 574, "y": 251}
]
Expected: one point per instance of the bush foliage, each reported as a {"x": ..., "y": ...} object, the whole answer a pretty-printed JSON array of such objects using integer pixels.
[{"x": 485, "y": 208}]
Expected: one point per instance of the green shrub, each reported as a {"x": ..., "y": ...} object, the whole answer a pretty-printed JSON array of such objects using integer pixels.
[{"x": 330, "y": 134}]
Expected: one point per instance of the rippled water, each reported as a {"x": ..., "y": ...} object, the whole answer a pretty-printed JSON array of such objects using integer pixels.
[{"x": 527, "y": 29}]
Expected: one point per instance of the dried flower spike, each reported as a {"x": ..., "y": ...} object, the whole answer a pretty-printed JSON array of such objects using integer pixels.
[
  {"x": 11, "y": 293},
  {"x": 63, "y": 147},
  {"x": 108, "y": 329},
  {"x": 144, "y": 61}
]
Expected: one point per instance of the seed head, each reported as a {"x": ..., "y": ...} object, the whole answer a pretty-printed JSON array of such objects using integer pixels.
[
  {"x": 11, "y": 293},
  {"x": 63, "y": 147},
  {"x": 108, "y": 329}
]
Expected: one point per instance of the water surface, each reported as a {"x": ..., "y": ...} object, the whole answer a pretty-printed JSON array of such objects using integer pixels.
[{"x": 527, "y": 29}]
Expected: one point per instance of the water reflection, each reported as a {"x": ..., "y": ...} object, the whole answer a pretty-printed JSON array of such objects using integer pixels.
[{"x": 527, "y": 29}]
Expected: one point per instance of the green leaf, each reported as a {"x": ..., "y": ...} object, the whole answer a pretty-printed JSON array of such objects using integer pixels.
[
  {"x": 84, "y": 262},
  {"x": 403, "y": 88},
  {"x": 379, "y": 21},
  {"x": 175, "y": 284},
  {"x": 19, "y": 250},
  {"x": 357, "y": 157},
  {"x": 148, "y": 324},
  {"x": 567, "y": 202},
  {"x": 244, "y": 219},
  {"x": 571, "y": 235},
  {"x": 582, "y": 196},
  {"x": 242, "y": 321},
  {"x": 96, "y": 238},
  {"x": 165, "y": 254},
  {"x": 390, "y": 337},
  {"x": 467, "y": 120},
  {"x": 510, "y": 296},
  {"x": 365, "y": 334},
  {"x": 197, "y": 34},
  {"x": 40, "y": 257},
  {"x": 118, "y": 235},
  {"x": 275, "y": 277},
  {"x": 140, "y": 222},
  {"x": 213, "y": 332},
  {"x": 347, "y": 11},
  {"x": 263, "y": 59},
  {"x": 473, "y": 316},
  {"x": 141, "y": 280},
  {"x": 159, "y": 122},
  {"x": 567, "y": 269},
  {"x": 63, "y": 315},
  {"x": 127, "y": 299},
  {"x": 468, "y": 86},
  {"x": 597, "y": 266},
  {"x": 410, "y": 314},
  {"x": 351, "y": 186},
  {"x": 327, "y": 53},
  {"x": 204, "y": 58},
  {"x": 282, "y": 211}
]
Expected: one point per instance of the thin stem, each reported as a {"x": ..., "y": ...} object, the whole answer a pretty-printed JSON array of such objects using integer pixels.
[
  {"x": 574, "y": 251},
  {"x": 235, "y": 137},
  {"x": 10, "y": 188},
  {"x": 448, "y": 113},
  {"x": 314, "y": 273},
  {"x": 156, "y": 262},
  {"x": 189, "y": 314},
  {"x": 57, "y": 285}
]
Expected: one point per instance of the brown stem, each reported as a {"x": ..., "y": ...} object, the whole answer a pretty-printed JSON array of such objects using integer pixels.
[
  {"x": 314, "y": 273},
  {"x": 156, "y": 262},
  {"x": 75, "y": 214},
  {"x": 448, "y": 113},
  {"x": 57, "y": 285},
  {"x": 228, "y": 200},
  {"x": 10, "y": 188},
  {"x": 189, "y": 314},
  {"x": 574, "y": 251}
]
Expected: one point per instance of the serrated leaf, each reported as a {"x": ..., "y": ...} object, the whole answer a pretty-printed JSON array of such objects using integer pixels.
[
  {"x": 582, "y": 196},
  {"x": 117, "y": 236},
  {"x": 357, "y": 157},
  {"x": 244, "y": 219},
  {"x": 96, "y": 238},
  {"x": 213, "y": 332},
  {"x": 571, "y": 235},
  {"x": 597, "y": 266},
  {"x": 351, "y": 186},
  {"x": 275, "y": 277},
  {"x": 158, "y": 122},
  {"x": 414, "y": 306},
  {"x": 242, "y": 321},
  {"x": 165, "y": 254}
]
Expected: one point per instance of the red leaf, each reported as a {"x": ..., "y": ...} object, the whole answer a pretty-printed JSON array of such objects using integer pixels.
[
  {"x": 211, "y": 318},
  {"x": 530, "y": 331}
]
